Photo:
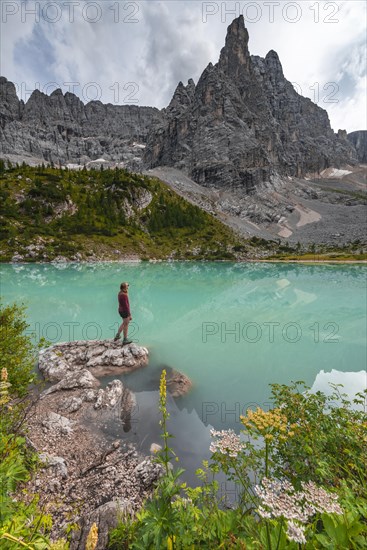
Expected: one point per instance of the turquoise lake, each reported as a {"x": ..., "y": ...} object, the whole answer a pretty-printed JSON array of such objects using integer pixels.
[{"x": 233, "y": 328}]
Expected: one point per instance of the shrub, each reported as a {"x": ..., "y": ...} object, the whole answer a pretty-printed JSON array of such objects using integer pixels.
[
  {"x": 21, "y": 525},
  {"x": 17, "y": 352}
]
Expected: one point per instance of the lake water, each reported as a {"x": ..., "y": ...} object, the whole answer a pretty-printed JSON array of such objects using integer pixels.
[{"x": 233, "y": 328}]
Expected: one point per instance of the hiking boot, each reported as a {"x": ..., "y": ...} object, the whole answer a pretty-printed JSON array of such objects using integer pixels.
[
  {"x": 126, "y": 341},
  {"x": 117, "y": 337}
]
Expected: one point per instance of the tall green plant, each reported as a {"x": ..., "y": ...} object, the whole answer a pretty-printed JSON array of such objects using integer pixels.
[{"x": 159, "y": 517}]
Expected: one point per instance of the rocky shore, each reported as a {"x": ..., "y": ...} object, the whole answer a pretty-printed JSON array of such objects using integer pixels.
[{"x": 87, "y": 475}]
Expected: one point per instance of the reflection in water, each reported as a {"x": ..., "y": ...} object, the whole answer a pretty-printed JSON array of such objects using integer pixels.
[
  {"x": 351, "y": 382},
  {"x": 191, "y": 438}
]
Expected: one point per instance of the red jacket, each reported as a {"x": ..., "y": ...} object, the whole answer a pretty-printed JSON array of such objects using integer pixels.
[{"x": 124, "y": 306}]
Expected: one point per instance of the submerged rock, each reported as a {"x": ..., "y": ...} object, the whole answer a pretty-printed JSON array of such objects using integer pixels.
[{"x": 177, "y": 383}]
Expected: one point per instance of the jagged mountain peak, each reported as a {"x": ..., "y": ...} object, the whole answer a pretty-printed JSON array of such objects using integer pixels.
[
  {"x": 237, "y": 32},
  {"x": 4, "y": 80},
  {"x": 57, "y": 93},
  {"x": 7, "y": 88},
  {"x": 272, "y": 54},
  {"x": 274, "y": 66},
  {"x": 245, "y": 124},
  {"x": 235, "y": 57},
  {"x": 182, "y": 96},
  {"x": 37, "y": 95},
  {"x": 272, "y": 58}
]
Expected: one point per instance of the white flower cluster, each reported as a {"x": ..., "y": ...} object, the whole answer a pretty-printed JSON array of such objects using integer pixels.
[
  {"x": 321, "y": 500},
  {"x": 228, "y": 443},
  {"x": 280, "y": 499},
  {"x": 296, "y": 532}
]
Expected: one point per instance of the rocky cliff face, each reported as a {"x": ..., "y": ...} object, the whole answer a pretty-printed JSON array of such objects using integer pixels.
[
  {"x": 241, "y": 124},
  {"x": 60, "y": 128},
  {"x": 244, "y": 122},
  {"x": 359, "y": 141}
]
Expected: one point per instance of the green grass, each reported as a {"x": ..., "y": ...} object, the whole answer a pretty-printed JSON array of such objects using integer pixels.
[
  {"x": 353, "y": 194},
  {"x": 351, "y": 252},
  {"x": 331, "y": 257}
]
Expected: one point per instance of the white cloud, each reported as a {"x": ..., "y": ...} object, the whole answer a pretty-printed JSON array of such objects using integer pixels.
[{"x": 141, "y": 50}]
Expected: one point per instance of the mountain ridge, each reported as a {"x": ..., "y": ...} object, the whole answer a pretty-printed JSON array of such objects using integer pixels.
[{"x": 241, "y": 125}]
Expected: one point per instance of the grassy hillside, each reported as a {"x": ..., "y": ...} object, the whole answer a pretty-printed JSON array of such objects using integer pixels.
[
  {"x": 48, "y": 213},
  {"x": 111, "y": 214}
]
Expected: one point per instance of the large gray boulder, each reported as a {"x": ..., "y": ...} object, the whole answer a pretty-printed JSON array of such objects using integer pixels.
[
  {"x": 100, "y": 357},
  {"x": 81, "y": 379}
]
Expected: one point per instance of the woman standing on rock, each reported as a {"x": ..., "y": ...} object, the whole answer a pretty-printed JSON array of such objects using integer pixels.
[{"x": 124, "y": 311}]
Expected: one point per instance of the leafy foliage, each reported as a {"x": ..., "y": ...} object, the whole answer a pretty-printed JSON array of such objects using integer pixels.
[
  {"x": 21, "y": 525},
  {"x": 306, "y": 441},
  {"x": 332, "y": 437},
  {"x": 17, "y": 354}
]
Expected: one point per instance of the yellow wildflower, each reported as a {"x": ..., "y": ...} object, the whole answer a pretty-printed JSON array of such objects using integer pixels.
[
  {"x": 162, "y": 386},
  {"x": 268, "y": 423},
  {"x": 92, "y": 538},
  {"x": 4, "y": 385},
  {"x": 170, "y": 542}
]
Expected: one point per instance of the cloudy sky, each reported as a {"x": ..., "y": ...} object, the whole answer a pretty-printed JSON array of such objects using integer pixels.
[{"x": 135, "y": 52}]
